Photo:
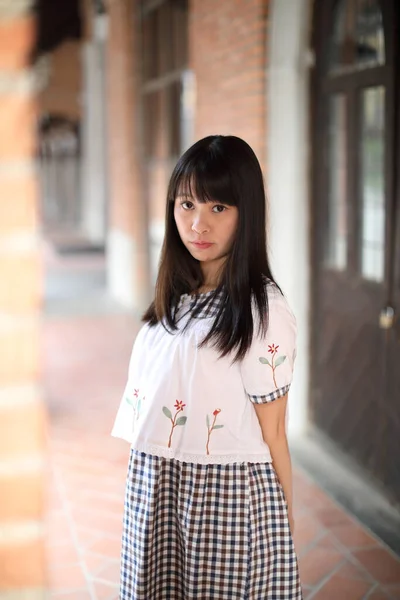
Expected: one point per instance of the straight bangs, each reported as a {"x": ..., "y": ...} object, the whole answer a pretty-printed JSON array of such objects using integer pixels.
[{"x": 205, "y": 177}]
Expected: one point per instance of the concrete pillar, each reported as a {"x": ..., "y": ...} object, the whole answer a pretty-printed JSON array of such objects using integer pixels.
[
  {"x": 22, "y": 414},
  {"x": 288, "y": 178},
  {"x": 94, "y": 172},
  {"x": 127, "y": 243}
]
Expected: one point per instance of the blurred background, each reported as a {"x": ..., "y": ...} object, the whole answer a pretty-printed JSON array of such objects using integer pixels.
[{"x": 97, "y": 101}]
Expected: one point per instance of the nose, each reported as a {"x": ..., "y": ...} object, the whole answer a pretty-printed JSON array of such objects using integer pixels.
[{"x": 199, "y": 225}]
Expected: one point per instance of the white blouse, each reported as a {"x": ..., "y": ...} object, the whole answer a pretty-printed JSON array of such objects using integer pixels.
[{"x": 186, "y": 403}]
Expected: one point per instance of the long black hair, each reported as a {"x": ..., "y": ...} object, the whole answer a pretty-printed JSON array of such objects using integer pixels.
[{"x": 222, "y": 169}]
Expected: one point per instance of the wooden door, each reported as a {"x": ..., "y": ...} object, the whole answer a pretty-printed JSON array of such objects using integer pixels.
[{"x": 355, "y": 349}]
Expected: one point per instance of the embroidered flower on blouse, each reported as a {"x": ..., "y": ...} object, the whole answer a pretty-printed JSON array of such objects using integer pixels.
[
  {"x": 210, "y": 428},
  {"x": 273, "y": 349},
  {"x": 138, "y": 407},
  {"x": 136, "y": 402},
  {"x": 179, "y": 406}
]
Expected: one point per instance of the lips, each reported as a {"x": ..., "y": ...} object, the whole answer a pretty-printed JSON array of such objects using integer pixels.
[{"x": 201, "y": 245}]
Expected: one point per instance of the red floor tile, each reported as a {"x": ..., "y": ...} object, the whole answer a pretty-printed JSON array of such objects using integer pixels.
[
  {"x": 353, "y": 536},
  {"x": 105, "y": 591},
  {"x": 103, "y": 502},
  {"x": 379, "y": 595},
  {"x": 94, "y": 563},
  {"x": 352, "y": 570},
  {"x": 381, "y": 564},
  {"x": 76, "y": 595},
  {"x": 332, "y": 516},
  {"x": 62, "y": 554},
  {"x": 58, "y": 535},
  {"x": 307, "y": 530},
  {"x": 340, "y": 587},
  {"x": 66, "y": 577},
  {"x": 106, "y": 547},
  {"x": 86, "y": 537},
  {"x": 110, "y": 572},
  {"x": 393, "y": 591},
  {"x": 96, "y": 521},
  {"x": 319, "y": 563}
]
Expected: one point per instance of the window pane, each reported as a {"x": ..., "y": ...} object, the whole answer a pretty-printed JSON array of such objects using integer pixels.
[
  {"x": 180, "y": 34},
  {"x": 165, "y": 56},
  {"x": 336, "y": 249},
  {"x": 188, "y": 109},
  {"x": 150, "y": 44},
  {"x": 153, "y": 119},
  {"x": 174, "y": 119},
  {"x": 157, "y": 36},
  {"x": 373, "y": 183},
  {"x": 358, "y": 37},
  {"x": 164, "y": 92}
]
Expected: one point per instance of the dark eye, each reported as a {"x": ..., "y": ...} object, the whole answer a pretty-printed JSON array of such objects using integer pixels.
[
  {"x": 187, "y": 205},
  {"x": 218, "y": 208}
]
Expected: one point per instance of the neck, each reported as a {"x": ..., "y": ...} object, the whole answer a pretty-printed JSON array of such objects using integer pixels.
[
  {"x": 211, "y": 275},
  {"x": 207, "y": 287}
]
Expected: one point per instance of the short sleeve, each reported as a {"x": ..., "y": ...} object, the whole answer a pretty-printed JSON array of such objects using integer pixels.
[
  {"x": 267, "y": 368},
  {"x": 125, "y": 420}
]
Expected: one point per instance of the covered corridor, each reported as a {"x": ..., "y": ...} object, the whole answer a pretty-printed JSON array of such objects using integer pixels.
[{"x": 86, "y": 359}]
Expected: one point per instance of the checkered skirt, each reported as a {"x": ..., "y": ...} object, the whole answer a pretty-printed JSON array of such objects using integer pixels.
[{"x": 205, "y": 532}]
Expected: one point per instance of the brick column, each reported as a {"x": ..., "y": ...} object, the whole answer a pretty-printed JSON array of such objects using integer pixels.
[
  {"x": 229, "y": 58},
  {"x": 22, "y": 415},
  {"x": 128, "y": 255}
]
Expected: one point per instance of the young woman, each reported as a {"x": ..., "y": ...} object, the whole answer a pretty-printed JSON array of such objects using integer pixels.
[{"x": 208, "y": 509}]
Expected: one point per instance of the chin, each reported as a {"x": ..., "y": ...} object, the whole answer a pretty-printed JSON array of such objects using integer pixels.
[{"x": 201, "y": 256}]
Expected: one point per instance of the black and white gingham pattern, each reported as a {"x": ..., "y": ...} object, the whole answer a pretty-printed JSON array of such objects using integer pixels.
[
  {"x": 207, "y": 304},
  {"x": 202, "y": 306},
  {"x": 206, "y": 532},
  {"x": 269, "y": 397}
]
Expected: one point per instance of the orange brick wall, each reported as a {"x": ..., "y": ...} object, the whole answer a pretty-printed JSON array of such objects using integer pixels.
[
  {"x": 228, "y": 56},
  {"x": 127, "y": 208},
  {"x": 123, "y": 128},
  {"x": 62, "y": 94},
  {"x": 22, "y": 414}
]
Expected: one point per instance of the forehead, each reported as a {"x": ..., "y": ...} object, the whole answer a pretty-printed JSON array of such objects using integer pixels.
[{"x": 184, "y": 193}]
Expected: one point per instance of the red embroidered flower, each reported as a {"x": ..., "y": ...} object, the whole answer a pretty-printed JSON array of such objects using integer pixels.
[
  {"x": 136, "y": 393},
  {"x": 216, "y": 412},
  {"x": 179, "y": 405},
  {"x": 272, "y": 349}
]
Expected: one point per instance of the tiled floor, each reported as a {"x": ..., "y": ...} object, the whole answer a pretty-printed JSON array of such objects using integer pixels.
[
  {"x": 86, "y": 361},
  {"x": 85, "y": 367}
]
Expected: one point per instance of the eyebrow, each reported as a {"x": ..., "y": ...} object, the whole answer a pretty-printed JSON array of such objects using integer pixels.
[{"x": 184, "y": 195}]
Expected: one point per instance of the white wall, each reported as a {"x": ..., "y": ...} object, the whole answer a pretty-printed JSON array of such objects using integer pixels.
[{"x": 288, "y": 184}]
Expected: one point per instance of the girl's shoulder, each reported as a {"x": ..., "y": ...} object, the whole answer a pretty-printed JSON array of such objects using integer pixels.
[
  {"x": 276, "y": 299},
  {"x": 272, "y": 291}
]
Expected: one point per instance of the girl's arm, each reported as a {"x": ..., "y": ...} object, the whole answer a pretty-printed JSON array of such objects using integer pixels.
[{"x": 272, "y": 418}]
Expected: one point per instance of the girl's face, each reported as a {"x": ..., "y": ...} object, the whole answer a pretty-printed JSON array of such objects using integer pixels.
[{"x": 206, "y": 229}]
